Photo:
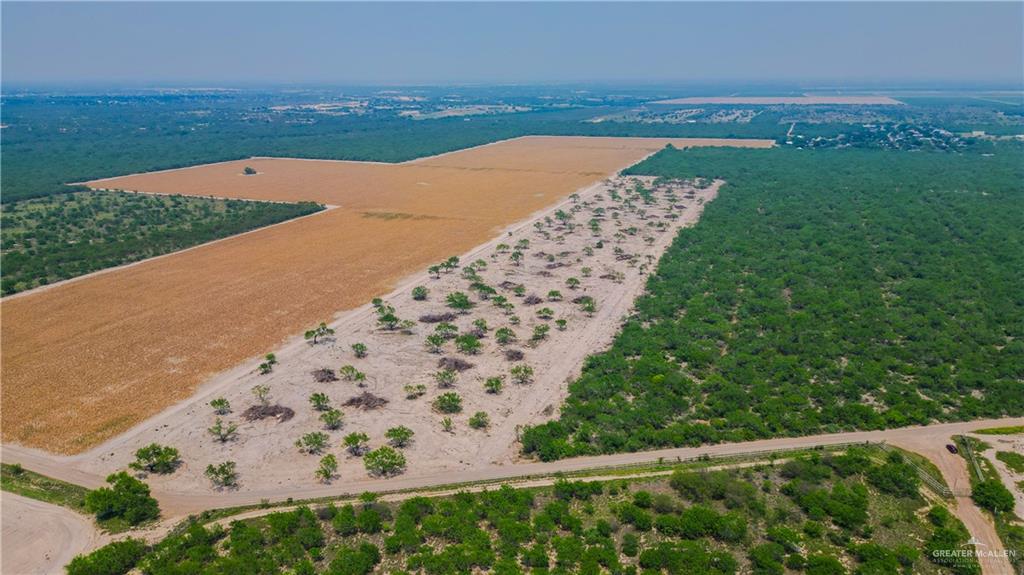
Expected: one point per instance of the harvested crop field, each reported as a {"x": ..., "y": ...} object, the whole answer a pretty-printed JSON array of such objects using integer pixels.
[
  {"x": 789, "y": 100},
  {"x": 86, "y": 360}
]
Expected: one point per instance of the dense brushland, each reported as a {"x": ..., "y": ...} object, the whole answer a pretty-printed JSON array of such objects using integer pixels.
[
  {"x": 827, "y": 514},
  {"x": 59, "y": 237},
  {"x": 49, "y": 142},
  {"x": 53, "y": 139},
  {"x": 822, "y": 291}
]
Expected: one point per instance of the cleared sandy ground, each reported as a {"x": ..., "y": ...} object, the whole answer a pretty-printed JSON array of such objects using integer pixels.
[
  {"x": 89, "y": 359},
  {"x": 264, "y": 450},
  {"x": 1009, "y": 477},
  {"x": 789, "y": 100},
  {"x": 39, "y": 538}
]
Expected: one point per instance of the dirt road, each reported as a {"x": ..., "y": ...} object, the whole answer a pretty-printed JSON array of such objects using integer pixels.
[
  {"x": 42, "y": 538},
  {"x": 479, "y": 487},
  {"x": 926, "y": 440},
  {"x": 177, "y": 503},
  {"x": 954, "y": 471}
]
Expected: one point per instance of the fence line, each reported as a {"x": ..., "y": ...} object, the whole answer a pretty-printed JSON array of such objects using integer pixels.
[
  {"x": 926, "y": 477},
  {"x": 762, "y": 454},
  {"x": 970, "y": 457}
]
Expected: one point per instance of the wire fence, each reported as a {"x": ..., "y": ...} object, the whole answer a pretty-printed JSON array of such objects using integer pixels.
[
  {"x": 927, "y": 478},
  {"x": 966, "y": 443},
  {"x": 756, "y": 454}
]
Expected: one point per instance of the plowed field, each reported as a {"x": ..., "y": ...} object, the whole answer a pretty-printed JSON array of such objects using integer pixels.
[{"x": 88, "y": 359}]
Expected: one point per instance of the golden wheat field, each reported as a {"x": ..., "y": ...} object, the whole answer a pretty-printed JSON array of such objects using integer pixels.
[{"x": 87, "y": 359}]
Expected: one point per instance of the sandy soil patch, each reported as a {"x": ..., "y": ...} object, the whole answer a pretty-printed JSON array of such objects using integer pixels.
[
  {"x": 89, "y": 359},
  {"x": 39, "y": 538},
  {"x": 789, "y": 100},
  {"x": 264, "y": 451},
  {"x": 1009, "y": 477}
]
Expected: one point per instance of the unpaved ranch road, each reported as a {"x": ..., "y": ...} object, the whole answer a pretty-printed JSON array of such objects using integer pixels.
[
  {"x": 41, "y": 538},
  {"x": 954, "y": 470},
  {"x": 927, "y": 440}
]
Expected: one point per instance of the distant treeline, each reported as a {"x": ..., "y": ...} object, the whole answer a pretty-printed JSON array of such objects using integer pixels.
[
  {"x": 52, "y": 140},
  {"x": 49, "y": 143}
]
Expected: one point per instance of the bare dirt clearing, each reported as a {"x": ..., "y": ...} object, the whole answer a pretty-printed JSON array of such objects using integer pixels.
[
  {"x": 608, "y": 248},
  {"x": 87, "y": 360},
  {"x": 42, "y": 538},
  {"x": 789, "y": 100}
]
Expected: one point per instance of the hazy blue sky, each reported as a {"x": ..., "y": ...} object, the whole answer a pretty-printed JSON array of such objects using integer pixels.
[{"x": 425, "y": 43}]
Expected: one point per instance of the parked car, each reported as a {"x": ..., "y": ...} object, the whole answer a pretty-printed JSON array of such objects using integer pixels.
[{"x": 952, "y": 448}]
